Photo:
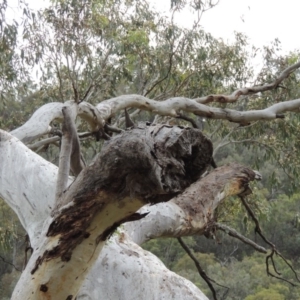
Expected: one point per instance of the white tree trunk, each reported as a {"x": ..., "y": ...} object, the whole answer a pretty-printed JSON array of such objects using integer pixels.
[
  {"x": 33, "y": 200},
  {"x": 122, "y": 258}
]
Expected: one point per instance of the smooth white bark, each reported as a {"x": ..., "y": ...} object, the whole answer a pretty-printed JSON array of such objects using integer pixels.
[
  {"x": 39, "y": 124},
  {"x": 69, "y": 275},
  {"x": 172, "y": 106},
  {"x": 126, "y": 271},
  {"x": 27, "y": 184}
]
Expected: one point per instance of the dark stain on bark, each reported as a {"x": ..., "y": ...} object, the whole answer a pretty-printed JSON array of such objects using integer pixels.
[
  {"x": 109, "y": 231},
  {"x": 149, "y": 162},
  {"x": 37, "y": 263},
  {"x": 70, "y": 297},
  {"x": 44, "y": 288}
]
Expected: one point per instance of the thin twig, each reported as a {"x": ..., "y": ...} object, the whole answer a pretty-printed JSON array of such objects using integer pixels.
[
  {"x": 251, "y": 90},
  {"x": 186, "y": 118},
  {"x": 200, "y": 270},
  {"x": 232, "y": 232},
  {"x": 274, "y": 250},
  {"x": 113, "y": 129},
  {"x": 9, "y": 263},
  {"x": 84, "y": 98}
]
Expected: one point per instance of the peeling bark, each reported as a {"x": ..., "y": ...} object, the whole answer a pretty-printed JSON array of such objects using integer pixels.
[
  {"x": 171, "y": 219},
  {"x": 192, "y": 211},
  {"x": 144, "y": 165}
]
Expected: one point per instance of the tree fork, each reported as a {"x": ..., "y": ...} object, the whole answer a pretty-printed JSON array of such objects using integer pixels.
[{"x": 146, "y": 164}]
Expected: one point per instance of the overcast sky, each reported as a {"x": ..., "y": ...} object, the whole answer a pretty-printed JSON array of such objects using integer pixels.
[{"x": 261, "y": 20}]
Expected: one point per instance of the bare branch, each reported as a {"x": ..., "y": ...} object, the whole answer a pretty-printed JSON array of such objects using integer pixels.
[
  {"x": 190, "y": 212},
  {"x": 38, "y": 124},
  {"x": 200, "y": 270},
  {"x": 9, "y": 263},
  {"x": 232, "y": 232},
  {"x": 91, "y": 114},
  {"x": 112, "y": 128},
  {"x": 274, "y": 250},
  {"x": 55, "y": 139},
  {"x": 70, "y": 151},
  {"x": 249, "y": 91},
  {"x": 186, "y": 118},
  {"x": 44, "y": 142},
  {"x": 172, "y": 107}
]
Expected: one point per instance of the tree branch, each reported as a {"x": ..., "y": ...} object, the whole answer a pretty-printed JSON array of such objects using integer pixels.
[
  {"x": 249, "y": 91},
  {"x": 133, "y": 169},
  {"x": 171, "y": 107},
  {"x": 36, "y": 181},
  {"x": 37, "y": 145},
  {"x": 273, "y": 247},
  {"x": 232, "y": 232},
  {"x": 190, "y": 212},
  {"x": 192, "y": 121},
  {"x": 96, "y": 116},
  {"x": 69, "y": 157},
  {"x": 200, "y": 270},
  {"x": 9, "y": 263},
  {"x": 34, "y": 198}
]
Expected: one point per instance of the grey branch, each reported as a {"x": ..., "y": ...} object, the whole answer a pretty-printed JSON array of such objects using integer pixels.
[
  {"x": 250, "y": 90},
  {"x": 70, "y": 151},
  {"x": 171, "y": 107},
  {"x": 232, "y": 232}
]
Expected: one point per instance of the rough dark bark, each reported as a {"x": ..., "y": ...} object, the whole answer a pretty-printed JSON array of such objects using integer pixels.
[
  {"x": 147, "y": 162},
  {"x": 151, "y": 163}
]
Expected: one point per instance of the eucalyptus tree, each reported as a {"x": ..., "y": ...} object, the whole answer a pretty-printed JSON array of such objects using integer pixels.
[{"x": 155, "y": 177}]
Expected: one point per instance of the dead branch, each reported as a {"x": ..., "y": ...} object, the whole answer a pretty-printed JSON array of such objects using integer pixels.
[
  {"x": 172, "y": 107},
  {"x": 201, "y": 272},
  {"x": 232, "y": 232},
  {"x": 55, "y": 139},
  {"x": 250, "y": 90},
  {"x": 273, "y": 247},
  {"x": 42, "y": 143},
  {"x": 186, "y": 118},
  {"x": 112, "y": 128},
  {"x": 9, "y": 263}
]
